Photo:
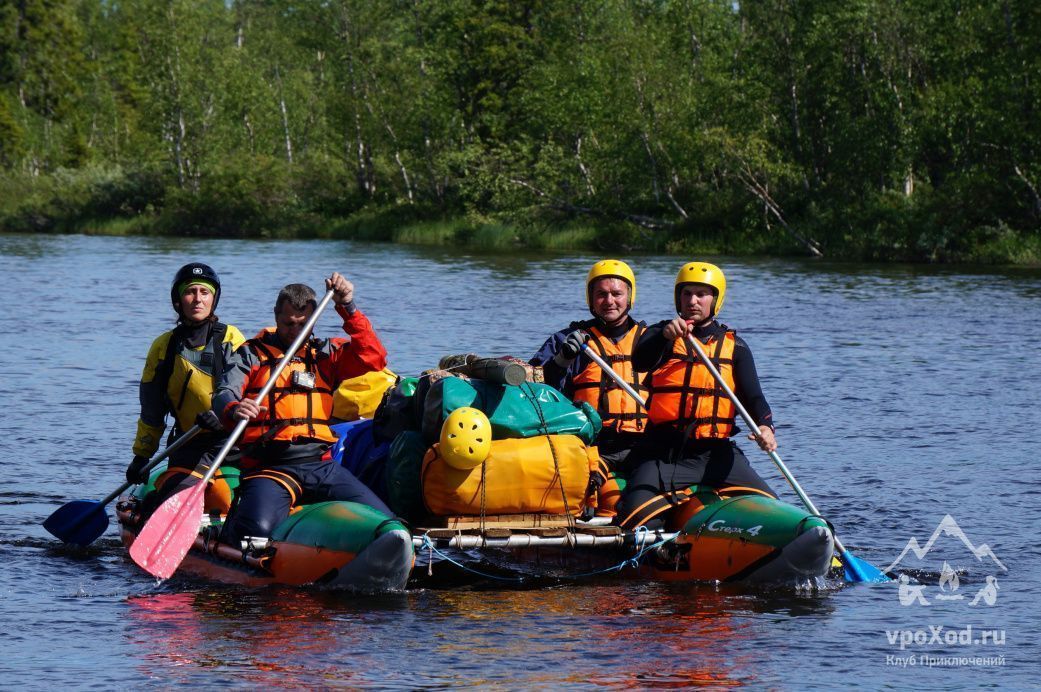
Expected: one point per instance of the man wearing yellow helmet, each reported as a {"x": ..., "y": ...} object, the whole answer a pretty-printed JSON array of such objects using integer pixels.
[
  {"x": 691, "y": 420},
  {"x": 612, "y": 334}
]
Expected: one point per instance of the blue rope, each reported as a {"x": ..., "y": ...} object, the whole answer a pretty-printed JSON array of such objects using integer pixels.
[
  {"x": 429, "y": 545},
  {"x": 633, "y": 561}
]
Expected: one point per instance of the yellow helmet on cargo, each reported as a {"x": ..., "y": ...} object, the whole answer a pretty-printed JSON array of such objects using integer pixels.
[
  {"x": 614, "y": 269},
  {"x": 466, "y": 438},
  {"x": 702, "y": 273}
]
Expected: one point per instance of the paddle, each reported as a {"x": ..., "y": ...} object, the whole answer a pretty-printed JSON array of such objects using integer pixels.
[
  {"x": 163, "y": 542},
  {"x": 855, "y": 569},
  {"x": 614, "y": 376},
  {"x": 82, "y": 522}
]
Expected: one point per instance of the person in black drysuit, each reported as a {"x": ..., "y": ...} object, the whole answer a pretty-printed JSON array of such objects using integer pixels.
[{"x": 687, "y": 441}]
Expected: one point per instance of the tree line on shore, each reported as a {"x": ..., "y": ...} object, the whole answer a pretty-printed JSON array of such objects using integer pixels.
[{"x": 862, "y": 129}]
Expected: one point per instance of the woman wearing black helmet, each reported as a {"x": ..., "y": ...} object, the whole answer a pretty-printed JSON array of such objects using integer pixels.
[{"x": 179, "y": 376}]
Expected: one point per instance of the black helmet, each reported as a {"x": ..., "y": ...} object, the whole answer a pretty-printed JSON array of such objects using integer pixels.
[{"x": 193, "y": 272}]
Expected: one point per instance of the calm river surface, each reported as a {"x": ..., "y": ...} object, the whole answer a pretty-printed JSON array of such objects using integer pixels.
[{"x": 903, "y": 394}]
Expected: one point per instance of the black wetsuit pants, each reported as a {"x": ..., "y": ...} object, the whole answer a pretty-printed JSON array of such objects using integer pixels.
[
  {"x": 615, "y": 448},
  {"x": 265, "y": 495},
  {"x": 661, "y": 476}
]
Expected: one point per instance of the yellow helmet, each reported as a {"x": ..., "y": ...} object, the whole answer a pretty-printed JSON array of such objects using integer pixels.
[
  {"x": 611, "y": 268},
  {"x": 702, "y": 273},
  {"x": 466, "y": 438}
]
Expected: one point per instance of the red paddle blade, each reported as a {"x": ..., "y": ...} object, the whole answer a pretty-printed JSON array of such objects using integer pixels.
[{"x": 168, "y": 535}]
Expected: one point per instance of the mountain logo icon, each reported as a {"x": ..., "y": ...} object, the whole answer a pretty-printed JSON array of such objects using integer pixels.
[{"x": 949, "y": 583}]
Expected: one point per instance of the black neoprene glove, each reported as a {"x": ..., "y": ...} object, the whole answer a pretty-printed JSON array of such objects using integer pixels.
[
  {"x": 136, "y": 472},
  {"x": 574, "y": 341},
  {"x": 208, "y": 420}
]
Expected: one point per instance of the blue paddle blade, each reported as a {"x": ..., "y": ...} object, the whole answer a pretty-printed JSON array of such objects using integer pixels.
[
  {"x": 856, "y": 569},
  {"x": 80, "y": 522}
]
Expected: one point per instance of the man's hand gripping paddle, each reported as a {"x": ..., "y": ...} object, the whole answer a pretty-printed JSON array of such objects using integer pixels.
[
  {"x": 854, "y": 568},
  {"x": 161, "y": 545}
]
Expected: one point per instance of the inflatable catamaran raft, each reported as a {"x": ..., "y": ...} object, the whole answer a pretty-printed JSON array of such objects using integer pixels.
[
  {"x": 521, "y": 487},
  {"x": 342, "y": 545},
  {"x": 518, "y": 489},
  {"x": 334, "y": 545}
]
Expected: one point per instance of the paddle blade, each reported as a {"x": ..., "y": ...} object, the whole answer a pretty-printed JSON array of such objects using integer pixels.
[
  {"x": 858, "y": 570},
  {"x": 164, "y": 541},
  {"x": 80, "y": 522}
]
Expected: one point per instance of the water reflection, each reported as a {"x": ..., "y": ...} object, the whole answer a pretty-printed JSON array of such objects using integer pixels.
[
  {"x": 634, "y": 634},
  {"x": 269, "y": 637},
  {"x": 684, "y": 635},
  {"x": 28, "y": 247}
]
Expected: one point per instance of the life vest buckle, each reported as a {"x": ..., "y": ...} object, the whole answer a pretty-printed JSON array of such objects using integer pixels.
[{"x": 303, "y": 380}]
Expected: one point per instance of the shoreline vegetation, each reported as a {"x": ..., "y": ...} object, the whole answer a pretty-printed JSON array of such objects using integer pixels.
[
  {"x": 406, "y": 224},
  {"x": 855, "y": 131}
]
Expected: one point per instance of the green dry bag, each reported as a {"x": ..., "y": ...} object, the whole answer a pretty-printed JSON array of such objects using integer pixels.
[{"x": 515, "y": 411}]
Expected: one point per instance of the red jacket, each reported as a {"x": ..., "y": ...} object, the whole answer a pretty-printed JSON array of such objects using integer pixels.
[{"x": 295, "y": 413}]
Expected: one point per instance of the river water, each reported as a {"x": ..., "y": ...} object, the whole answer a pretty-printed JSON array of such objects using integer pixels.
[{"x": 903, "y": 394}]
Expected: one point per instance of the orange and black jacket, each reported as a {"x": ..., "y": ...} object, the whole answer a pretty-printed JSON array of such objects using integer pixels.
[
  {"x": 300, "y": 404},
  {"x": 683, "y": 392},
  {"x": 584, "y": 381}
]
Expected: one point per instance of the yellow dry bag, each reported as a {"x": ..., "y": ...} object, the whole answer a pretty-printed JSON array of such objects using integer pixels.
[
  {"x": 548, "y": 474},
  {"x": 359, "y": 396}
]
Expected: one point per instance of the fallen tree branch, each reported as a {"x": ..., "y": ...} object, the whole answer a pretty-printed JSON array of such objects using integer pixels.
[{"x": 753, "y": 185}]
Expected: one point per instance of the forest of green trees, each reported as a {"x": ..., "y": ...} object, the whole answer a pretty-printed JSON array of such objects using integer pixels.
[{"x": 859, "y": 129}]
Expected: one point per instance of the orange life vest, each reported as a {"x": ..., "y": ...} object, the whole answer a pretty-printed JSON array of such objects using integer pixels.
[
  {"x": 683, "y": 391},
  {"x": 617, "y": 409},
  {"x": 295, "y": 411}
]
